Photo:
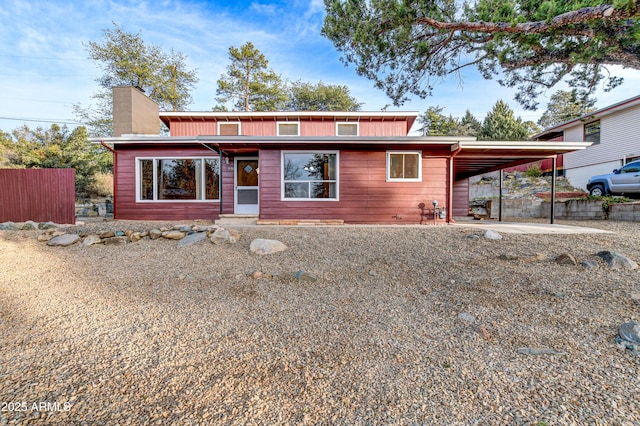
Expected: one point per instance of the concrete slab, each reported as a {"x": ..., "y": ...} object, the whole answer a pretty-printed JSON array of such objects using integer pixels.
[{"x": 530, "y": 228}]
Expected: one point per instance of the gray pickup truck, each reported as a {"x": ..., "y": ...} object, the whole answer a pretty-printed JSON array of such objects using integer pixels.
[{"x": 625, "y": 180}]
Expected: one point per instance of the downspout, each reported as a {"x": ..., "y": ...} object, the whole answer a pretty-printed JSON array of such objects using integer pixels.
[
  {"x": 450, "y": 195},
  {"x": 115, "y": 167}
]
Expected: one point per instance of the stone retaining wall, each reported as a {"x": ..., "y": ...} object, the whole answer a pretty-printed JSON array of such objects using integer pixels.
[{"x": 570, "y": 210}]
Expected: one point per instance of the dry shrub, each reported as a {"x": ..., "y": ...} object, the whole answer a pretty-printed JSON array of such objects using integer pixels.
[{"x": 102, "y": 185}]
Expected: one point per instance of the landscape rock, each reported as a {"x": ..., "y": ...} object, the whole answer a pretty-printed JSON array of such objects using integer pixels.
[
  {"x": 616, "y": 260},
  {"x": 91, "y": 239},
  {"x": 589, "y": 264},
  {"x": 44, "y": 237},
  {"x": 192, "y": 239},
  {"x": 221, "y": 236},
  {"x": 47, "y": 225},
  {"x": 566, "y": 259},
  {"x": 182, "y": 228},
  {"x": 63, "y": 240},
  {"x": 8, "y": 226},
  {"x": 116, "y": 241},
  {"x": 492, "y": 235},
  {"x": 30, "y": 226},
  {"x": 135, "y": 237},
  {"x": 263, "y": 246},
  {"x": 629, "y": 336},
  {"x": 154, "y": 234},
  {"x": 107, "y": 234},
  {"x": 173, "y": 235},
  {"x": 305, "y": 276}
]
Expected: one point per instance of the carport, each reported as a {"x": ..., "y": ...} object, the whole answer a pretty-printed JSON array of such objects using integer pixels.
[{"x": 471, "y": 158}]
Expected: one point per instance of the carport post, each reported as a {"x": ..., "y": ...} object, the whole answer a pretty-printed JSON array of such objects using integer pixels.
[
  {"x": 553, "y": 189},
  {"x": 500, "y": 196}
]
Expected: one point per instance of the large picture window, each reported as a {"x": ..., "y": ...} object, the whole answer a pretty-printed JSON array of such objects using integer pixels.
[
  {"x": 404, "y": 166},
  {"x": 178, "y": 179},
  {"x": 310, "y": 175}
]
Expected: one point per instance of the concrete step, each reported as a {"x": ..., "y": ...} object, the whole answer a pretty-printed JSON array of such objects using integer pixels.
[{"x": 237, "y": 219}]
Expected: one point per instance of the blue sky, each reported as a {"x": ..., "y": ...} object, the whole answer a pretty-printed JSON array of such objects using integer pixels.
[{"x": 45, "y": 69}]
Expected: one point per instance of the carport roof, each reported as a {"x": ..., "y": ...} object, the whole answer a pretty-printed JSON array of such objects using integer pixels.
[{"x": 470, "y": 157}]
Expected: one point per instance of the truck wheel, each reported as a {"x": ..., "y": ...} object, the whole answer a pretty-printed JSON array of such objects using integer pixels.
[{"x": 597, "y": 191}]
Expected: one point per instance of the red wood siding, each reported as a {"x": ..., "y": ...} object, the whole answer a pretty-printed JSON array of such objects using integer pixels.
[
  {"x": 40, "y": 195},
  {"x": 461, "y": 198},
  {"x": 364, "y": 194},
  {"x": 125, "y": 204},
  {"x": 307, "y": 128}
]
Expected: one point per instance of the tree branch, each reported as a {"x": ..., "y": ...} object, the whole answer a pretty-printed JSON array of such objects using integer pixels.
[{"x": 579, "y": 16}]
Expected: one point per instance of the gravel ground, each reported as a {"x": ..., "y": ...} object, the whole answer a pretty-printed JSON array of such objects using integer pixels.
[{"x": 149, "y": 333}]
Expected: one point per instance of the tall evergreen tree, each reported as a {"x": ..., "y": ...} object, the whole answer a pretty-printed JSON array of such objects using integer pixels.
[
  {"x": 501, "y": 125},
  {"x": 249, "y": 84},
  {"x": 127, "y": 60},
  {"x": 305, "y": 96}
]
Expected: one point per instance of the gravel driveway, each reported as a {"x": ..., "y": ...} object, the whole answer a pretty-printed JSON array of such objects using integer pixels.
[{"x": 403, "y": 326}]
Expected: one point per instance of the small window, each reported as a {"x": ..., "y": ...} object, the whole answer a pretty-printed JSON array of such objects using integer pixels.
[
  {"x": 404, "y": 166},
  {"x": 228, "y": 129},
  {"x": 347, "y": 129},
  {"x": 288, "y": 129},
  {"x": 592, "y": 132},
  {"x": 309, "y": 175}
]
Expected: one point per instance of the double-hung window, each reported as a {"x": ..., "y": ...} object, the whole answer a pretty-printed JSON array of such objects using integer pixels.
[
  {"x": 404, "y": 166},
  {"x": 592, "y": 132},
  {"x": 178, "y": 179},
  {"x": 309, "y": 175}
]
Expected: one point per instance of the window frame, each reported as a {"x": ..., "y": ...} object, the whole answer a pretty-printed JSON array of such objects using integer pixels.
[
  {"x": 138, "y": 177},
  {"x": 355, "y": 123},
  {"x": 587, "y": 135},
  {"x": 336, "y": 180},
  {"x": 388, "y": 166},
  {"x": 230, "y": 122},
  {"x": 278, "y": 123}
]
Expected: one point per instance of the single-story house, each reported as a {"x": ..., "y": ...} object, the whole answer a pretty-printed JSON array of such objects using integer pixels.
[
  {"x": 614, "y": 132},
  {"x": 356, "y": 167}
]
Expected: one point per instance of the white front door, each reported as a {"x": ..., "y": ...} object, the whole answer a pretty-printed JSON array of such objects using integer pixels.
[{"x": 246, "y": 185}]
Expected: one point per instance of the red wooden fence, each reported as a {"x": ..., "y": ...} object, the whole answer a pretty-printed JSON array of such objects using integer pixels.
[{"x": 40, "y": 195}]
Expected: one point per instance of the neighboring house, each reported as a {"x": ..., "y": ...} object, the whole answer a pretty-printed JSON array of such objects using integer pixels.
[
  {"x": 356, "y": 167},
  {"x": 614, "y": 132}
]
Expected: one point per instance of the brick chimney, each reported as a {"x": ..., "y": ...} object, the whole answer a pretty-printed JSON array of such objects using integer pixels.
[{"x": 134, "y": 113}]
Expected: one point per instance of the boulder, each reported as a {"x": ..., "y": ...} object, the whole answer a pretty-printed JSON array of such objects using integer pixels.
[
  {"x": 44, "y": 237},
  {"x": 174, "y": 235},
  {"x": 47, "y": 225},
  {"x": 192, "y": 239},
  {"x": 566, "y": 259},
  {"x": 63, "y": 240},
  {"x": 135, "y": 237},
  {"x": 8, "y": 226},
  {"x": 262, "y": 246},
  {"x": 154, "y": 234},
  {"x": 616, "y": 260},
  {"x": 116, "y": 241},
  {"x": 91, "y": 239},
  {"x": 107, "y": 234},
  {"x": 492, "y": 235},
  {"x": 29, "y": 226},
  {"x": 221, "y": 236}
]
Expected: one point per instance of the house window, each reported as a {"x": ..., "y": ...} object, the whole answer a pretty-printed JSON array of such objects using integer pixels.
[
  {"x": 592, "y": 132},
  {"x": 309, "y": 175},
  {"x": 404, "y": 166},
  {"x": 228, "y": 129},
  {"x": 347, "y": 129},
  {"x": 288, "y": 128},
  {"x": 178, "y": 179}
]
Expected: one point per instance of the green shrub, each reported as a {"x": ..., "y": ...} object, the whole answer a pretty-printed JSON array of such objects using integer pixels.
[{"x": 533, "y": 171}]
